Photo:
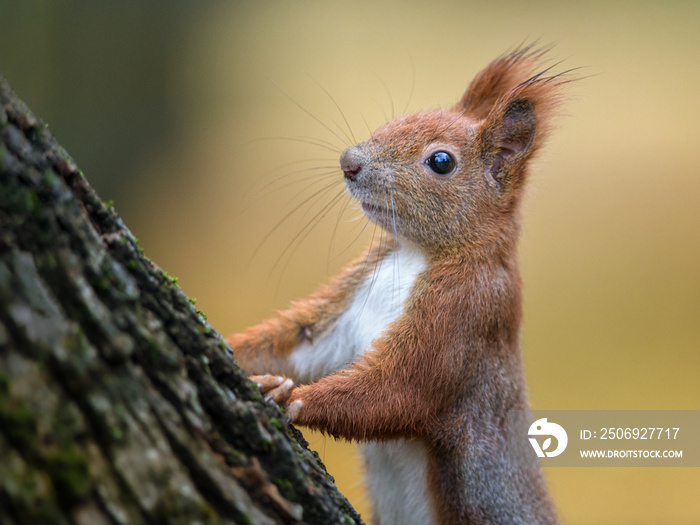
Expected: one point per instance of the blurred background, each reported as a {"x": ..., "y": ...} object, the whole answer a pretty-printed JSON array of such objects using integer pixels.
[{"x": 215, "y": 127}]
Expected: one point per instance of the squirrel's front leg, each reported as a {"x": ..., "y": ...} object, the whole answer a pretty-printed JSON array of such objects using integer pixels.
[
  {"x": 301, "y": 342},
  {"x": 266, "y": 348},
  {"x": 362, "y": 403}
]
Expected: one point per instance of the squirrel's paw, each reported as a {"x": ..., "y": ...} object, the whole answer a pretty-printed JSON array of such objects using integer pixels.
[
  {"x": 274, "y": 388},
  {"x": 292, "y": 410}
]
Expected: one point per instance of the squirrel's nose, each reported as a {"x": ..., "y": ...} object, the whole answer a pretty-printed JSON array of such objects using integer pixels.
[{"x": 351, "y": 162}]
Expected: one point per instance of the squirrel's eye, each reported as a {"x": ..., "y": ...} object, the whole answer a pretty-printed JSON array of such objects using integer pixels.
[{"x": 441, "y": 163}]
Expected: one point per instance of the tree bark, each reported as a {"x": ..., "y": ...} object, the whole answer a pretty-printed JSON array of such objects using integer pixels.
[{"x": 118, "y": 402}]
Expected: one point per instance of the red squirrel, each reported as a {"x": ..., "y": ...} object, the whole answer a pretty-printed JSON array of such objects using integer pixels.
[{"x": 413, "y": 349}]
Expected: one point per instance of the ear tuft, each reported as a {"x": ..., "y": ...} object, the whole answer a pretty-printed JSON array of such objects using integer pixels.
[
  {"x": 497, "y": 79},
  {"x": 513, "y": 105}
]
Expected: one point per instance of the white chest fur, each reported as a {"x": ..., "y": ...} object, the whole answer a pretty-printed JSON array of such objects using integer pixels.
[
  {"x": 378, "y": 301},
  {"x": 396, "y": 482},
  {"x": 395, "y": 470}
]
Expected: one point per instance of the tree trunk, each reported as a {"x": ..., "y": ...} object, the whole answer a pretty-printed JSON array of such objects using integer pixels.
[{"x": 118, "y": 402}]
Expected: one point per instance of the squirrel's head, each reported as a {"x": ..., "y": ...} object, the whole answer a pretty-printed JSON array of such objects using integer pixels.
[{"x": 452, "y": 179}]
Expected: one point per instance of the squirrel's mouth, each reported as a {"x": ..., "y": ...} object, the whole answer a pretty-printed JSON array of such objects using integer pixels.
[{"x": 373, "y": 209}]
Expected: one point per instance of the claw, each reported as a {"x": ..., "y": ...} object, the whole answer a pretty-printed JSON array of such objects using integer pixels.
[
  {"x": 274, "y": 388},
  {"x": 292, "y": 410},
  {"x": 281, "y": 393}
]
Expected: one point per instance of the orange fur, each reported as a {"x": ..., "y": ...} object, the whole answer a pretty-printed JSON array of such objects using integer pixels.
[{"x": 447, "y": 370}]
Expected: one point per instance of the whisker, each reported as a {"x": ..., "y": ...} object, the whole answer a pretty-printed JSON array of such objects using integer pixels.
[
  {"x": 273, "y": 173},
  {"x": 316, "y": 195},
  {"x": 369, "y": 130},
  {"x": 326, "y": 189},
  {"x": 315, "y": 177},
  {"x": 377, "y": 264},
  {"x": 391, "y": 99},
  {"x": 361, "y": 217},
  {"x": 449, "y": 125},
  {"x": 302, "y": 234},
  {"x": 383, "y": 244},
  {"x": 342, "y": 114},
  {"x": 397, "y": 269},
  {"x": 309, "y": 208},
  {"x": 335, "y": 228},
  {"x": 274, "y": 185},
  {"x": 328, "y": 128},
  {"x": 312, "y": 141}
]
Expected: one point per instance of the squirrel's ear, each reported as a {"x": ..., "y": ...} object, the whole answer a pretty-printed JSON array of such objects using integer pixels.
[
  {"x": 496, "y": 80},
  {"x": 506, "y": 137},
  {"x": 512, "y": 106}
]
